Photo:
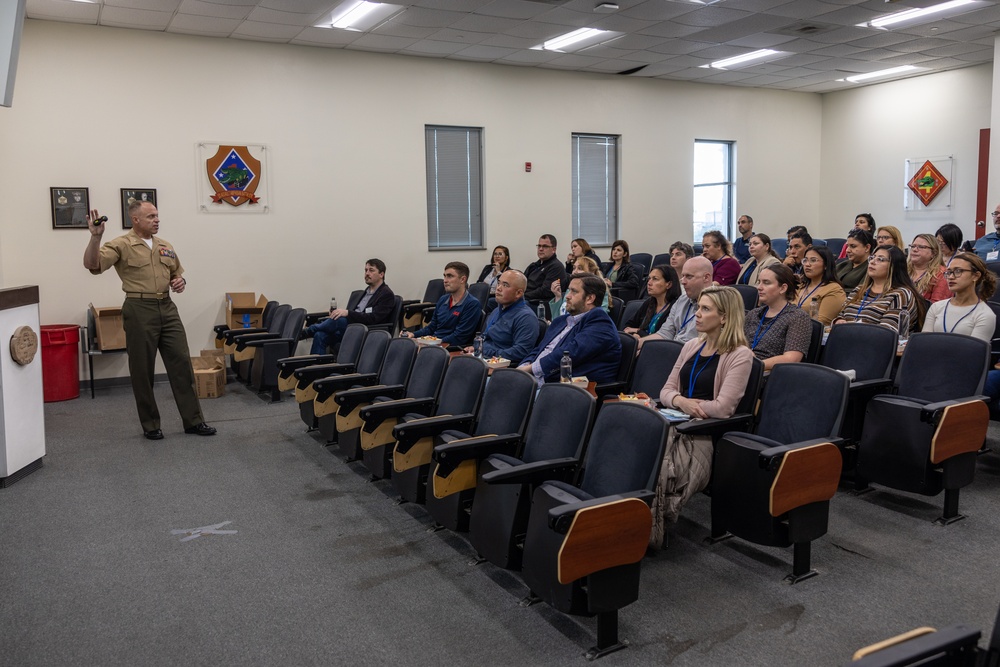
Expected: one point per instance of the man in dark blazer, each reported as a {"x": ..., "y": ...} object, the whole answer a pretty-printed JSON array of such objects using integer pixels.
[{"x": 374, "y": 307}]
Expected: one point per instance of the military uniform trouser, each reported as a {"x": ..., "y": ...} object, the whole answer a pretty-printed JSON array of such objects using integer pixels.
[{"x": 151, "y": 325}]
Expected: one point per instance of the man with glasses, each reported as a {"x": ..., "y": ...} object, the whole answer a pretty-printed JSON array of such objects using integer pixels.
[
  {"x": 741, "y": 246},
  {"x": 988, "y": 246},
  {"x": 696, "y": 275},
  {"x": 540, "y": 274},
  {"x": 511, "y": 329},
  {"x": 457, "y": 312}
]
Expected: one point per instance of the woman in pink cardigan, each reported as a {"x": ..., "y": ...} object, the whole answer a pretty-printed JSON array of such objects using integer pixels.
[{"x": 708, "y": 380}]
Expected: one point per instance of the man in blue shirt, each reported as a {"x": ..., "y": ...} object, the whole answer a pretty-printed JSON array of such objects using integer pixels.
[
  {"x": 988, "y": 246},
  {"x": 512, "y": 328},
  {"x": 741, "y": 247},
  {"x": 457, "y": 313},
  {"x": 586, "y": 332}
]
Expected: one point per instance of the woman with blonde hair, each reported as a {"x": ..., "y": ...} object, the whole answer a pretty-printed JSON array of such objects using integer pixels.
[
  {"x": 926, "y": 268},
  {"x": 579, "y": 248},
  {"x": 889, "y": 235},
  {"x": 708, "y": 380}
]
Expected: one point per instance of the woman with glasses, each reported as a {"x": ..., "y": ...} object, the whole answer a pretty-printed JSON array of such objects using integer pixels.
[
  {"x": 822, "y": 296},
  {"x": 620, "y": 274},
  {"x": 889, "y": 235},
  {"x": 580, "y": 248},
  {"x": 966, "y": 312},
  {"x": 491, "y": 272},
  {"x": 778, "y": 331},
  {"x": 708, "y": 380},
  {"x": 886, "y": 296},
  {"x": 719, "y": 251},
  {"x": 926, "y": 268},
  {"x": 949, "y": 238},
  {"x": 761, "y": 256},
  {"x": 858, "y": 247},
  {"x": 663, "y": 288}
]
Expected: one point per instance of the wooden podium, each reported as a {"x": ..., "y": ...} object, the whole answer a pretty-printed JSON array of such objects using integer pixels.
[{"x": 22, "y": 414}]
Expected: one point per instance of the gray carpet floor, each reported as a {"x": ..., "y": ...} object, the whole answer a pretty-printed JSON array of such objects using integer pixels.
[{"x": 325, "y": 569}]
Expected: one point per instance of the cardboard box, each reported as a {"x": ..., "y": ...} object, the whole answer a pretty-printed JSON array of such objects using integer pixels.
[
  {"x": 210, "y": 373},
  {"x": 240, "y": 304},
  {"x": 108, "y": 328}
]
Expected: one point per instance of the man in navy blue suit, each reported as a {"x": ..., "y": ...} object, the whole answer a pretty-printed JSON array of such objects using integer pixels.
[{"x": 586, "y": 332}]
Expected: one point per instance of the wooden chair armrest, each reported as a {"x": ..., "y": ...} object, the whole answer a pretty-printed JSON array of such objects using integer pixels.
[
  {"x": 808, "y": 474},
  {"x": 603, "y": 536},
  {"x": 961, "y": 428}
]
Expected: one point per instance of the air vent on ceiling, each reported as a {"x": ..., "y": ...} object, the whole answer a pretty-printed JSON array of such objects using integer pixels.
[{"x": 804, "y": 29}]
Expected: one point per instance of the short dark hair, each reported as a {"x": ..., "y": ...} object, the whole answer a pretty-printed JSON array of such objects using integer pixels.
[
  {"x": 624, "y": 247},
  {"x": 804, "y": 235},
  {"x": 551, "y": 239},
  {"x": 592, "y": 285},
  {"x": 461, "y": 267},
  {"x": 720, "y": 238},
  {"x": 951, "y": 234},
  {"x": 785, "y": 277},
  {"x": 795, "y": 229},
  {"x": 378, "y": 264},
  {"x": 862, "y": 236},
  {"x": 748, "y": 217},
  {"x": 683, "y": 247},
  {"x": 870, "y": 218}
]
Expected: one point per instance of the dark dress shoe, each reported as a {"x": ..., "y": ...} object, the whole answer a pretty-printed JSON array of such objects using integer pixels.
[
  {"x": 155, "y": 434},
  {"x": 200, "y": 429}
]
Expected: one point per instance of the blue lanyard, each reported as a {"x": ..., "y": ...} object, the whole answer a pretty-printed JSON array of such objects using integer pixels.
[
  {"x": 745, "y": 280},
  {"x": 687, "y": 319},
  {"x": 760, "y": 334},
  {"x": 803, "y": 299},
  {"x": 864, "y": 301},
  {"x": 952, "y": 330},
  {"x": 695, "y": 371}
]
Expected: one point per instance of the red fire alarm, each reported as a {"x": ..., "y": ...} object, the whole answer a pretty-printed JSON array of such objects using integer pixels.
[{"x": 527, "y": 167}]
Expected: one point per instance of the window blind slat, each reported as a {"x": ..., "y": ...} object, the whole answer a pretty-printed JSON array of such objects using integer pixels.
[
  {"x": 454, "y": 186},
  {"x": 595, "y": 188}
]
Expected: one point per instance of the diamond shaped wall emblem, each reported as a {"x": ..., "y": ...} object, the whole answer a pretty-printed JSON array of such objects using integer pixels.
[{"x": 927, "y": 182}]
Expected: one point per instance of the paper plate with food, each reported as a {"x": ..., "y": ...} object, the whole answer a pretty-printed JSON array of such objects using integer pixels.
[
  {"x": 428, "y": 340},
  {"x": 497, "y": 362}
]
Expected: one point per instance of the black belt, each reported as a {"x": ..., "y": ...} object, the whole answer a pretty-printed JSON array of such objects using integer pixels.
[{"x": 158, "y": 296}]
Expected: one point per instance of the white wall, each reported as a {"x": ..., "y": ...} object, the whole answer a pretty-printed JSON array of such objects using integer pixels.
[
  {"x": 108, "y": 108},
  {"x": 869, "y": 132}
]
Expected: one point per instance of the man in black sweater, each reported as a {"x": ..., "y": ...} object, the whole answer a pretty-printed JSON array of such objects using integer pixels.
[{"x": 540, "y": 274}]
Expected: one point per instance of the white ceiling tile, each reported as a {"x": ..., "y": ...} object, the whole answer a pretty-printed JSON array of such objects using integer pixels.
[
  {"x": 536, "y": 30},
  {"x": 284, "y": 18},
  {"x": 199, "y": 8},
  {"x": 530, "y": 57},
  {"x": 988, "y": 14},
  {"x": 804, "y": 9},
  {"x": 837, "y": 51},
  {"x": 326, "y": 37},
  {"x": 907, "y": 59},
  {"x": 269, "y": 31},
  {"x": 154, "y": 5},
  {"x": 401, "y": 30},
  {"x": 573, "y": 61},
  {"x": 449, "y": 5},
  {"x": 678, "y": 47},
  {"x": 953, "y": 50},
  {"x": 851, "y": 16},
  {"x": 382, "y": 42},
  {"x": 140, "y": 19},
  {"x": 709, "y": 17},
  {"x": 428, "y": 18},
  {"x": 719, "y": 51},
  {"x": 760, "y": 5},
  {"x": 764, "y": 79},
  {"x": 635, "y": 41},
  {"x": 983, "y": 56},
  {"x": 972, "y": 33},
  {"x": 801, "y": 46},
  {"x": 944, "y": 63},
  {"x": 853, "y": 66},
  {"x": 480, "y": 52},
  {"x": 657, "y": 10},
  {"x": 566, "y": 17},
  {"x": 690, "y": 74},
  {"x": 619, "y": 23},
  {"x": 921, "y": 44},
  {"x": 510, "y": 42},
  {"x": 202, "y": 24},
  {"x": 932, "y": 29},
  {"x": 649, "y": 56},
  {"x": 881, "y": 40},
  {"x": 751, "y": 25},
  {"x": 459, "y": 36},
  {"x": 512, "y": 9},
  {"x": 479, "y": 23},
  {"x": 300, "y": 6},
  {"x": 669, "y": 30},
  {"x": 800, "y": 60},
  {"x": 841, "y": 35},
  {"x": 431, "y": 47},
  {"x": 762, "y": 41},
  {"x": 725, "y": 76},
  {"x": 61, "y": 10}
]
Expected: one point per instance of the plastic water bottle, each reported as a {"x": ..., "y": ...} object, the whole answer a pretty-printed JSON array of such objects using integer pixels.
[
  {"x": 566, "y": 368},
  {"x": 477, "y": 346},
  {"x": 542, "y": 312},
  {"x": 246, "y": 321},
  {"x": 814, "y": 309},
  {"x": 333, "y": 303}
]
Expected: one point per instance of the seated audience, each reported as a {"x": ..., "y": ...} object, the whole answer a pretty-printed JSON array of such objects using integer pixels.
[
  {"x": 718, "y": 250},
  {"x": 988, "y": 246},
  {"x": 798, "y": 241},
  {"x": 512, "y": 328},
  {"x": 966, "y": 312},
  {"x": 708, "y": 380},
  {"x": 680, "y": 252},
  {"x": 858, "y": 248},
  {"x": 585, "y": 332},
  {"x": 761, "y": 255},
  {"x": 557, "y": 306},
  {"x": 580, "y": 248},
  {"x": 621, "y": 276},
  {"x": 865, "y": 221},
  {"x": 663, "y": 288},
  {"x": 375, "y": 307},
  {"x": 680, "y": 325},
  {"x": 491, "y": 272},
  {"x": 926, "y": 268},
  {"x": 949, "y": 238},
  {"x": 822, "y": 295},
  {"x": 541, "y": 273},
  {"x": 457, "y": 313},
  {"x": 741, "y": 245},
  {"x": 889, "y": 235},
  {"x": 778, "y": 330},
  {"x": 886, "y": 296}
]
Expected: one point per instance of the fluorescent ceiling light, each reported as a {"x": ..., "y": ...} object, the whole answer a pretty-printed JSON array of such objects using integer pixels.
[
  {"x": 359, "y": 16},
  {"x": 355, "y": 14},
  {"x": 883, "y": 72},
  {"x": 914, "y": 14},
  {"x": 575, "y": 37},
  {"x": 746, "y": 57}
]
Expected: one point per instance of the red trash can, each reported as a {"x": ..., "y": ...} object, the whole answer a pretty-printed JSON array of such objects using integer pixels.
[{"x": 60, "y": 362}]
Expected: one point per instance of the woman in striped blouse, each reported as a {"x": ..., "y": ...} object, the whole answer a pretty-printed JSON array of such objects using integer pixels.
[{"x": 885, "y": 294}]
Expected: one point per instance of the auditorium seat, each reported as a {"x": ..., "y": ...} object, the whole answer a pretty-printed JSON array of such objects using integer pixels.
[{"x": 365, "y": 372}]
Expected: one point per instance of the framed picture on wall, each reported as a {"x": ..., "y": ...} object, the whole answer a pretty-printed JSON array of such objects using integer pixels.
[
  {"x": 69, "y": 207},
  {"x": 130, "y": 195}
]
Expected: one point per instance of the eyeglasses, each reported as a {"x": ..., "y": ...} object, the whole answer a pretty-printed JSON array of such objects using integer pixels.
[
  {"x": 811, "y": 260},
  {"x": 956, "y": 273},
  {"x": 995, "y": 213},
  {"x": 544, "y": 246},
  {"x": 883, "y": 237},
  {"x": 914, "y": 246},
  {"x": 878, "y": 259}
]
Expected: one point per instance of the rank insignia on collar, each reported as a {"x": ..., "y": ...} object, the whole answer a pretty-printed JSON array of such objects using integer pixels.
[{"x": 234, "y": 175}]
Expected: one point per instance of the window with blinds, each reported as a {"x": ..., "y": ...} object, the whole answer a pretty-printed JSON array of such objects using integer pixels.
[
  {"x": 595, "y": 188},
  {"x": 454, "y": 186}
]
